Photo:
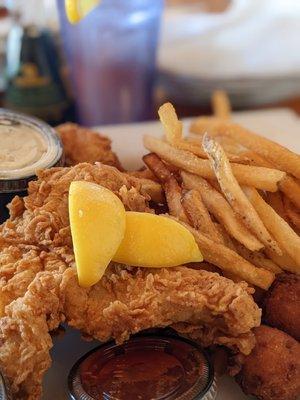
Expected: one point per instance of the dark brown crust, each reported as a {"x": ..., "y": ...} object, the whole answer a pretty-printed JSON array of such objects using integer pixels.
[
  {"x": 281, "y": 306},
  {"x": 272, "y": 370}
]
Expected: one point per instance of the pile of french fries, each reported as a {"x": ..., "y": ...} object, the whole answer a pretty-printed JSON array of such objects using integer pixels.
[{"x": 237, "y": 192}]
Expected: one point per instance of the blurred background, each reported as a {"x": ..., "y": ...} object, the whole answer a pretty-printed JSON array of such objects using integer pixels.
[{"x": 127, "y": 57}]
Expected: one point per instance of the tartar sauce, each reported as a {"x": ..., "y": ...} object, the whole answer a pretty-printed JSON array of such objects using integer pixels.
[
  {"x": 26, "y": 146},
  {"x": 21, "y": 145}
]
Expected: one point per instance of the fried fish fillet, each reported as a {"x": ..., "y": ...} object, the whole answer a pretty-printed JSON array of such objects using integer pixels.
[
  {"x": 85, "y": 145},
  {"x": 39, "y": 287},
  {"x": 125, "y": 301},
  {"x": 217, "y": 310},
  {"x": 24, "y": 335}
]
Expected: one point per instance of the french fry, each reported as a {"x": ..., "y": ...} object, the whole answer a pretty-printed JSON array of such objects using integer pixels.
[
  {"x": 288, "y": 185},
  {"x": 149, "y": 187},
  {"x": 287, "y": 239},
  {"x": 292, "y": 212},
  {"x": 170, "y": 185},
  {"x": 203, "y": 265},
  {"x": 221, "y": 104},
  {"x": 231, "y": 262},
  {"x": 257, "y": 258},
  {"x": 173, "y": 196},
  {"x": 169, "y": 119},
  {"x": 215, "y": 185},
  {"x": 221, "y": 210},
  {"x": 235, "y": 195},
  {"x": 196, "y": 149},
  {"x": 226, "y": 239},
  {"x": 258, "y": 177},
  {"x": 153, "y": 189},
  {"x": 199, "y": 216},
  {"x": 157, "y": 167},
  {"x": 235, "y": 151},
  {"x": 191, "y": 147},
  {"x": 220, "y": 258},
  {"x": 291, "y": 188},
  {"x": 276, "y": 202},
  {"x": 143, "y": 174},
  {"x": 229, "y": 145},
  {"x": 285, "y": 159},
  {"x": 255, "y": 159},
  {"x": 285, "y": 262}
]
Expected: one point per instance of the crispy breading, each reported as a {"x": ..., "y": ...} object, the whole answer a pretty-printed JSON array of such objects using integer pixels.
[
  {"x": 39, "y": 286},
  {"x": 272, "y": 370},
  {"x": 85, "y": 145},
  {"x": 281, "y": 304},
  {"x": 129, "y": 300},
  {"x": 45, "y": 220},
  {"x": 19, "y": 264},
  {"x": 24, "y": 338}
]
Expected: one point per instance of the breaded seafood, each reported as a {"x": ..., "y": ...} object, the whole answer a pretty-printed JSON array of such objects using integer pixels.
[
  {"x": 281, "y": 306},
  {"x": 272, "y": 370},
  {"x": 84, "y": 145},
  {"x": 39, "y": 286}
]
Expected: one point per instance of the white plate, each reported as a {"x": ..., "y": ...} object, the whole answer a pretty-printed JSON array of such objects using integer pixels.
[{"x": 281, "y": 125}]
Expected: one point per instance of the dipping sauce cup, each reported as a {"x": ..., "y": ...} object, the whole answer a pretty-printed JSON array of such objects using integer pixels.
[
  {"x": 144, "y": 368},
  {"x": 27, "y": 145}
]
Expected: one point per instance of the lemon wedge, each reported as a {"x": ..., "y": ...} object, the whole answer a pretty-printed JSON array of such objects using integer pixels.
[
  {"x": 97, "y": 219},
  {"x": 156, "y": 241},
  {"x": 78, "y": 9}
]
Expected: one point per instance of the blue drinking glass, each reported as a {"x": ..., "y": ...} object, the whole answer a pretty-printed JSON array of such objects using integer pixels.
[{"x": 111, "y": 55}]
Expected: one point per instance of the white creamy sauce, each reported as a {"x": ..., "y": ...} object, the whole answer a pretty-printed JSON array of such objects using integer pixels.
[{"x": 20, "y": 146}]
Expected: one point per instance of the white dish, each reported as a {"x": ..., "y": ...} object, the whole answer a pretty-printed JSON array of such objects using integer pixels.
[{"x": 280, "y": 125}]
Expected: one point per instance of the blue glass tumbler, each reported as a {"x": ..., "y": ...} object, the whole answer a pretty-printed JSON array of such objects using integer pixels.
[{"x": 111, "y": 55}]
